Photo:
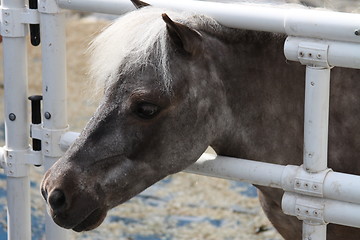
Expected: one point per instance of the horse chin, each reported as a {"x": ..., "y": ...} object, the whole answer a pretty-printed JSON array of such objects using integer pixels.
[{"x": 91, "y": 222}]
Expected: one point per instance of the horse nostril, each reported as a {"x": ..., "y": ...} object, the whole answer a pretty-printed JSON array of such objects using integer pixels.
[
  {"x": 44, "y": 194},
  {"x": 57, "y": 199}
]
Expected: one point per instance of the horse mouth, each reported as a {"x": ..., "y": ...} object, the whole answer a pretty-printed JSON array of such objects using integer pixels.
[
  {"x": 93, "y": 220},
  {"x": 89, "y": 222}
]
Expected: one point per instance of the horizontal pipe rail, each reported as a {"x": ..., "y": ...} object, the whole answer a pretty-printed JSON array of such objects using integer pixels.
[
  {"x": 291, "y": 21},
  {"x": 330, "y": 211},
  {"x": 67, "y": 139},
  {"x": 258, "y": 173},
  {"x": 335, "y": 189},
  {"x": 115, "y": 7},
  {"x": 336, "y": 186},
  {"x": 336, "y": 54}
]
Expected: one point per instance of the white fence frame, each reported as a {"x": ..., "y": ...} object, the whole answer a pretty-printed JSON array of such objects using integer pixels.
[{"x": 318, "y": 39}]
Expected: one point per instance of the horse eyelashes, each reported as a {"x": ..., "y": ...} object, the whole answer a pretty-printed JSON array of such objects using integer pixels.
[{"x": 147, "y": 110}]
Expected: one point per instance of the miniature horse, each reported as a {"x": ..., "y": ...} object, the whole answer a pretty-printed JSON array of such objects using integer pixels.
[{"x": 173, "y": 87}]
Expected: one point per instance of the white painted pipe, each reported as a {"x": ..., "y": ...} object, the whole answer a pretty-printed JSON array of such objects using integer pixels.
[
  {"x": 16, "y": 133},
  {"x": 54, "y": 70},
  {"x": 52, "y": 27},
  {"x": 115, "y": 7},
  {"x": 323, "y": 25},
  {"x": 339, "y": 54},
  {"x": 313, "y": 231},
  {"x": 2, "y": 159},
  {"x": 265, "y": 174},
  {"x": 17, "y": 129},
  {"x": 18, "y": 213},
  {"x": 317, "y": 88},
  {"x": 331, "y": 211},
  {"x": 336, "y": 186},
  {"x": 316, "y": 118},
  {"x": 67, "y": 139},
  {"x": 342, "y": 187},
  {"x": 294, "y": 22}
]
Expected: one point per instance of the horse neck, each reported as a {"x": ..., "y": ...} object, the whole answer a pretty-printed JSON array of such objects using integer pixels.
[{"x": 252, "y": 79}]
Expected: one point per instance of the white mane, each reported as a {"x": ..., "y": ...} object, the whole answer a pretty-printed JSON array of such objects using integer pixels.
[{"x": 129, "y": 41}]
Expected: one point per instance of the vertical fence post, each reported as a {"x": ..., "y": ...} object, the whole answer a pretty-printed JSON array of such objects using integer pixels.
[
  {"x": 52, "y": 28},
  {"x": 317, "y": 88},
  {"x": 16, "y": 121}
]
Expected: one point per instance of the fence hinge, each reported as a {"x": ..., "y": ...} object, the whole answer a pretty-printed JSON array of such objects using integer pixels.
[
  {"x": 16, "y": 162},
  {"x": 310, "y": 209},
  {"x": 297, "y": 179},
  {"x": 311, "y": 184},
  {"x": 312, "y": 53},
  {"x": 50, "y": 139},
  {"x": 14, "y": 21}
]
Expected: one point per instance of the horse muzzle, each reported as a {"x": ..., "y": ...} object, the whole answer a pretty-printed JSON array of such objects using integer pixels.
[{"x": 71, "y": 207}]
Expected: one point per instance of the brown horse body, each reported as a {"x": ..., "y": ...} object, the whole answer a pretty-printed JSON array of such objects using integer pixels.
[{"x": 229, "y": 89}]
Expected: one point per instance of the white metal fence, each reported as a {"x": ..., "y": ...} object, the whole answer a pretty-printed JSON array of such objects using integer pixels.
[{"x": 309, "y": 189}]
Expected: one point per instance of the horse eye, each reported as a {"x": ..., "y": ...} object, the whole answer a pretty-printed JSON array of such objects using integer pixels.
[{"x": 147, "y": 110}]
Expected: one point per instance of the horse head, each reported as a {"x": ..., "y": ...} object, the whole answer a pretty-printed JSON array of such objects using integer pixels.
[{"x": 157, "y": 116}]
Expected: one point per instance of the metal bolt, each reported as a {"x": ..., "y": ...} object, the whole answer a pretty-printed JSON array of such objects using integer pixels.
[
  {"x": 357, "y": 32},
  {"x": 7, "y": 14},
  {"x": 12, "y": 117},
  {"x": 46, "y": 143},
  {"x": 47, "y": 115},
  {"x": 47, "y": 151},
  {"x": 306, "y": 185},
  {"x": 312, "y": 84},
  {"x": 315, "y": 187},
  {"x": 297, "y": 183},
  {"x": 301, "y": 54},
  {"x": 6, "y": 23},
  {"x": 298, "y": 210},
  {"x": 310, "y": 54},
  {"x": 10, "y": 156},
  {"x": 307, "y": 211},
  {"x": 7, "y": 31},
  {"x": 318, "y": 56},
  {"x": 47, "y": 135},
  {"x": 11, "y": 172},
  {"x": 316, "y": 213},
  {"x": 9, "y": 165}
]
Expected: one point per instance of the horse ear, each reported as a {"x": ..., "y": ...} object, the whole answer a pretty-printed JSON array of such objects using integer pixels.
[
  {"x": 139, "y": 4},
  {"x": 183, "y": 36}
]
